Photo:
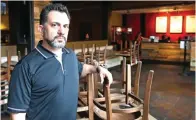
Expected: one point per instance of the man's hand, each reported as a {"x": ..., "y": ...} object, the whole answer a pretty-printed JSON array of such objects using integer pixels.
[{"x": 105, "y": 73}]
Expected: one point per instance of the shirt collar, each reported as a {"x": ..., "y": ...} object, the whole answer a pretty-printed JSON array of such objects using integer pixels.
[{"x": 46, "y": 53}]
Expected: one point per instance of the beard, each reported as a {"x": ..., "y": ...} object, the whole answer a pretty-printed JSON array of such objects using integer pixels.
[{"x": 55, "y": 43}]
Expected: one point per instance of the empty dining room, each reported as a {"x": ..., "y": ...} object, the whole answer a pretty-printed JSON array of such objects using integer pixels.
[{"x": 98, "y": 60}]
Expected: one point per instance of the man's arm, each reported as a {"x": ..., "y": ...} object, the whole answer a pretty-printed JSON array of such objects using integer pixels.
[
  {"x": 19, "y": 92},
  {"x": 18, "y": 116},
  {"x": 88, "y": 69},
  {"x": 93, "y": 69}
]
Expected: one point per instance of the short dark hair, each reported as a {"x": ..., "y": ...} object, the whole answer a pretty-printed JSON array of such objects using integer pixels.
[{"x": 56, "y": 7}]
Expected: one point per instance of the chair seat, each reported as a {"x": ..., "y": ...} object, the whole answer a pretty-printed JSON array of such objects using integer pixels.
[
  {"x": 115, "y": 116},
  {"x": 121, "y": 116}
]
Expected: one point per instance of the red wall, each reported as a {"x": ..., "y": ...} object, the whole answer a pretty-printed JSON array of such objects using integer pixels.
[{"x": 133, "y": 20}]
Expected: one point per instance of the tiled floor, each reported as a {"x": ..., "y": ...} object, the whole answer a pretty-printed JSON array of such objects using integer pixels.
[{"x": 172, "y": 96}]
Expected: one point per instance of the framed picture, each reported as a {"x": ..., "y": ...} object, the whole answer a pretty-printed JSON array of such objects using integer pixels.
[
  {"x": 3, "y": 8},
  {"x": 176, "y": 24},
  {"x": 190, "y": 24},
  {"x": 161, "y": 24}
]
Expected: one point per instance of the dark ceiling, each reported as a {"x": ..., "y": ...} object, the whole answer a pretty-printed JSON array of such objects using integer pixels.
[
  {"x": 146, "y": 4},
  {"x": 121, "y": 5}
]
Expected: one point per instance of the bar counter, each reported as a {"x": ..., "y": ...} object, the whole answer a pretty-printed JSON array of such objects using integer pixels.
[{"x": 170, "y": 52}]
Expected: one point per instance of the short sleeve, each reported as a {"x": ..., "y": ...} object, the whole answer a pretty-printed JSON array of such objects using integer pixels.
[
  {"x": 80, "y": 65},
  {"x": 19, "y": 89}
]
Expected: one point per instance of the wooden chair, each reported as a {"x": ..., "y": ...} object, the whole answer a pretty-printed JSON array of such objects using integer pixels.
[
  {"x": 133, "y": 53},
  {"x": 82, "y": 56},
  {"x": 87, "y": 60},
  {"x": 130, "y": 106},
  {"x": 85, "y": 56},
  {"x": 5, "y": 78},
  {"x": 124, "y": 77},
  {"x": 137, "y": 50},
  {"x": 102, "y": 56},
  {"x": 5, "y": 72},
  {"x": 85, "y": 101}
]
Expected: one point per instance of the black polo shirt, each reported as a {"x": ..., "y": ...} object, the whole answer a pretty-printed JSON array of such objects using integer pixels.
[{"x": 44, "y": 89}]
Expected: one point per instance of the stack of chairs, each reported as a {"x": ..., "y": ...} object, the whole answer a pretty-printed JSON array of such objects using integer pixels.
[
  {"x": 126, "y": 96},
  {"x": 125, "y": 75},
  {"x": 5, "y": 78},
  {"x": 84, "y": 56},
  {"x": 113, "y": 103},
  {"x": 101, "y": 55},
  {"x": 125, "y": 107},
  {"x": 6, "y": 69},
  {"x": 132, "y": 51},
  {"x": 89, "y": 57},
  {"x": 85, "y": 100},
  {"x": 95, "y": 52}
]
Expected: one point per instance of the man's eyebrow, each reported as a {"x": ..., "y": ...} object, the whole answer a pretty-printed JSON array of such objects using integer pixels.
[
  {"x": 56, "y": 23},
  {"x": 59, "y": 23}
]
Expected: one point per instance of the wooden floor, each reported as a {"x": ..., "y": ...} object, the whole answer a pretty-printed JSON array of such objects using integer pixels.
[{"x": 173, "y": 95}]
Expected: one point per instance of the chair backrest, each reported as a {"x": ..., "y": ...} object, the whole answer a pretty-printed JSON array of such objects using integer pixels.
[
  {"x": 137, "y": 50},
  {"x": 146, "y": 98},
  {"x": 134, "y": 52},
  {"x": 147, "y": 95},
  {"x": 101, "y": 55},
  {"x": 137, "y": 78},
  {"x": 90, "y": 95}
]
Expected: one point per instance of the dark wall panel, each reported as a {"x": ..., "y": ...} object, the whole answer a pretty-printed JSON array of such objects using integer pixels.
[{"x": 142, "y": 24}]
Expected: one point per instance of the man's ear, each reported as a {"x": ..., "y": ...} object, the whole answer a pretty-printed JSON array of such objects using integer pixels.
[{"x": 41, "y": 29}]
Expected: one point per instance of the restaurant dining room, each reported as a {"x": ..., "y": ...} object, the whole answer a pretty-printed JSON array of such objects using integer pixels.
[{"x": 98, "y": 60}]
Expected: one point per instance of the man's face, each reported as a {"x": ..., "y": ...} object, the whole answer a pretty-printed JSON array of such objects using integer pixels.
[{"x": 55, "y": 30}]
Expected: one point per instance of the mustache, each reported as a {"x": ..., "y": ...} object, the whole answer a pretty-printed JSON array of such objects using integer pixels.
[{"x": 59, "y": 37}]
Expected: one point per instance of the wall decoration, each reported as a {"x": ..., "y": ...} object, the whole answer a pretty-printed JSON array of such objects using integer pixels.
[
  {"x": 176, "y": 24},
  {"x": 161, "y": 24},
  {"x": 190, "y": 24},
  {"x": 3, "y": 8}
]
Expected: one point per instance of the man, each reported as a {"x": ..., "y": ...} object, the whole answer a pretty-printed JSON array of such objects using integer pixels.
[{"x": 44, "y": 84}]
